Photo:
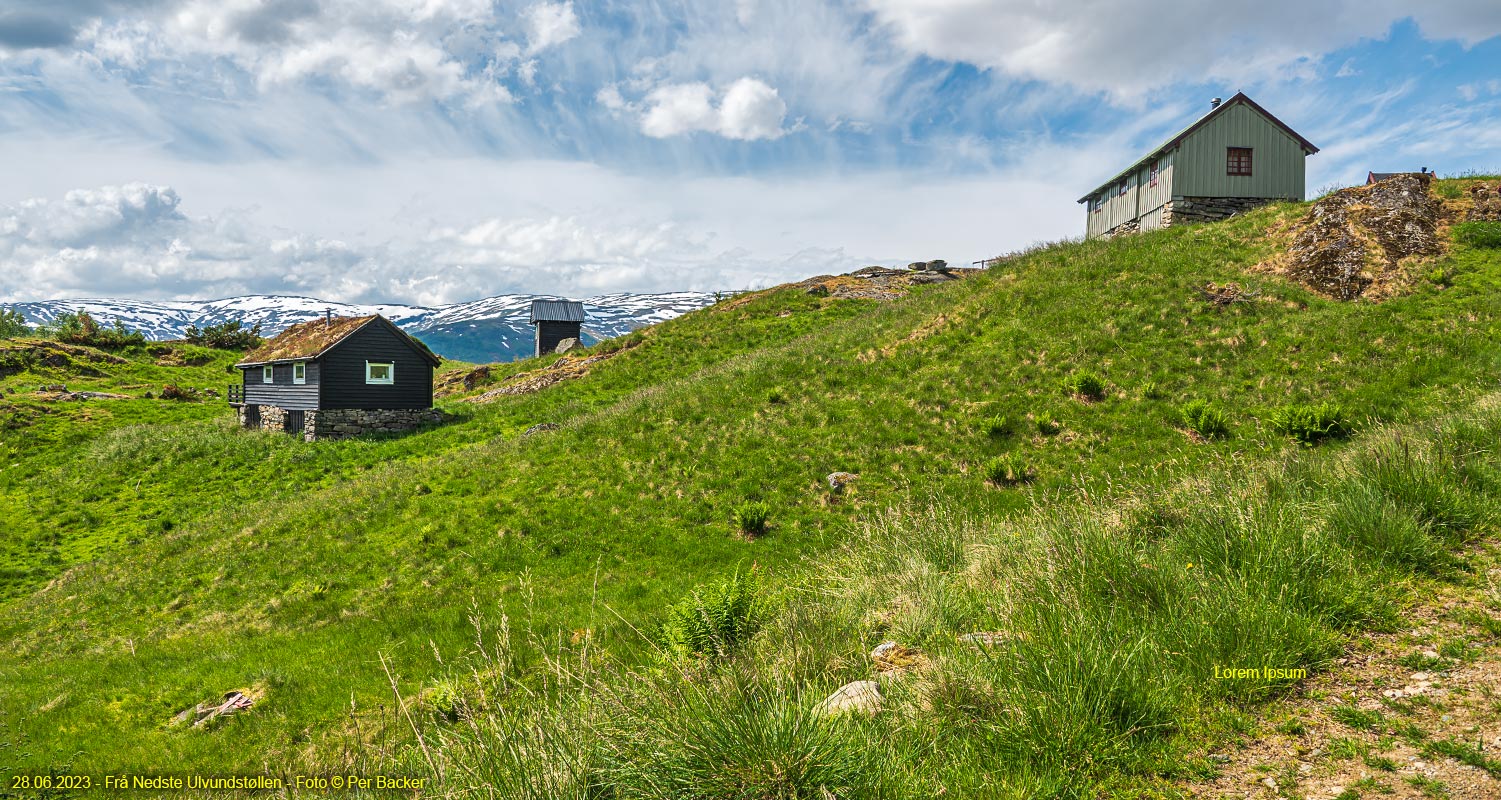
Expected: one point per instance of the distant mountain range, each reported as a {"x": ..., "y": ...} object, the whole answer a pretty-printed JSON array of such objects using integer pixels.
[{"x": 492, "y": 329}]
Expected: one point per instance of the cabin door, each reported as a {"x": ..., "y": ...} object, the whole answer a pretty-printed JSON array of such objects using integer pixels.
[
  {"x": 295, "y": 421},
  {"x": 252, "y": 417}
]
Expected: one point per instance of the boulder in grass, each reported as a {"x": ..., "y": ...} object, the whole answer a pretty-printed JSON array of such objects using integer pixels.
[
  {"x": 839, "y": 480},
  {"x": 857, "y": 697}
]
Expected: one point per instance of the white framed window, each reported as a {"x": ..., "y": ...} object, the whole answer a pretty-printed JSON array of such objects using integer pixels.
[
  {"x": 299, "y": 372},
  {"x": 268, "y": 374},
  {"x": 380, "y": 372}
]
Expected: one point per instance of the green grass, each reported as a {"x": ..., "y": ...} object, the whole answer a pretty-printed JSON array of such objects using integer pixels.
[{"x": 161, "y": 557}]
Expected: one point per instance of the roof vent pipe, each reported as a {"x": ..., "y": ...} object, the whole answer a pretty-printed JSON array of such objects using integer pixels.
[
  {"x": 328, "y": 317},
  {"x": 1215, "y": 103}
]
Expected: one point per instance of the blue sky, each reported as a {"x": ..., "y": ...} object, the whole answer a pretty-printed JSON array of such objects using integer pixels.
[{"x": 433, "y": 151}]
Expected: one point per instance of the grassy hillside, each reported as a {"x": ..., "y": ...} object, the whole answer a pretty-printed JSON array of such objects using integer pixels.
[{"x": 165, "y": 557}]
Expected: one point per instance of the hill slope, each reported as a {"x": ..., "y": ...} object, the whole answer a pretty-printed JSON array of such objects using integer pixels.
[{"x": 222, "y": 559}]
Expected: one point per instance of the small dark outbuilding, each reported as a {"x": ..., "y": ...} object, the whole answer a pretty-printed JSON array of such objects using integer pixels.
[
  {"x": 337, "y": 377},
  {"x": 554, "y": 321}
]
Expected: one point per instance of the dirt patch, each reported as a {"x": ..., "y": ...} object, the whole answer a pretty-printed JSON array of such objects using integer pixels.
[
  {"x": 1413, "y": 714},
  {"x": 461, "y": 381},
  {"x": 564, "y": 369},
  {"x": 867, "y": 283},
  {"x": 1362, "y": 242},
  {"x": 1485, "y": 203}
]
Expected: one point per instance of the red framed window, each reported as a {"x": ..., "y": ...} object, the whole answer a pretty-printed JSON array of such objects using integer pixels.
[
  {"x": 1121, "y": 188},
  {"x": 1152, "y": 174},
  {"x": 1237, "y": 161}
]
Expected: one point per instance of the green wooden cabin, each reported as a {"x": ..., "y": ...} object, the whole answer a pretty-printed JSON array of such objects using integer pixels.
[{"x": 1234, "y": 158}]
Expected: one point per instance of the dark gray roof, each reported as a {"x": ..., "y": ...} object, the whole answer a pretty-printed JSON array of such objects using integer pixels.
[{"x": 557, "y": 311}]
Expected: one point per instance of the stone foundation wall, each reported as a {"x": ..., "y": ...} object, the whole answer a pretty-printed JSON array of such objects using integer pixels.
[
  {"x": 1130, "y": 226},
  {"x": 340, "y": 423},
  {"x": 1208, "y": 209},
  {"x": 272, "y": 418}
]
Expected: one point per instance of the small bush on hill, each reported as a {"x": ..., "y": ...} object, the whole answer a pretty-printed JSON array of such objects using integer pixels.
[
  {"x": 1204, "y": 419},
  {"x": 229, "y": 335},
  {"x": 1311, "y": 424},
  {"x": 1048, "y": 425},
  {"x": 998, "y": 426},
  {"x": 1478, "y": 233},
  {"x": 1008, "y": 470},
  {"x": 1086, "y": 385},
  {"x": 715, "y": 620},
  {"x": 81, "y": 328},
  {"x": 12, "y": 324},
  {"x": 751, "y": 517}
]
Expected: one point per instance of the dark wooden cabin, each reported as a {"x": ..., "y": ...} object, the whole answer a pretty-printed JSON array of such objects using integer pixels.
[
  {"x": 554, "y": 321},
  {"x": 337, "y": 376}
]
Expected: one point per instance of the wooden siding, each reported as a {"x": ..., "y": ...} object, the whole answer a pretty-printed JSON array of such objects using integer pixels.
[
  {"x": 343, "y": 374},
  {"x": 282, "y": 392},
  {"x": 1277, "y": 168},
  {"x": 1155, "y": 196},
  {"x": 549, "y": 334},
  {"x": 1140, "y": 199}
]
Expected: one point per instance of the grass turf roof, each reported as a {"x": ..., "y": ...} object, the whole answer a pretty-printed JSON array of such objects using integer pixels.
[{"x": 307, "y": 340}]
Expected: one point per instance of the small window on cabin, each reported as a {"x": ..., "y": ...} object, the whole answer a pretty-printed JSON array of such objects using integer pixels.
[
  {"x": 1097, "y": 203},
  {"x": 384, "y": 372},
  {"x": 1238, "y": 161},
  {"x": 299, "y": 372},
  {"x": 1121, "y": 189},
  {"x": 1152, "y": 174},
  {"x": 268, "y": 374}
]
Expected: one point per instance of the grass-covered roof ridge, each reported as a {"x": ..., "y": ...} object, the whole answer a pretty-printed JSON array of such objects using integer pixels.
[{"x": 311, "y": 339}]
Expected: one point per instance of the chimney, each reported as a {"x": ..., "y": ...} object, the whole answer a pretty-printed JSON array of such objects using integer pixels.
[
  {"x": 1425, "y": 171},
  {"x": 1215, "y": 103},
  {"x": 328, "y": 317}
]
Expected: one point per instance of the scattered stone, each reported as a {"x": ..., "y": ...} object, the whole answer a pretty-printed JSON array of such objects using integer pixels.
[
  {"x": 917, "y": 266},
  {"x": 566, "y": 345},
  {"x": 1219, "y": 758},
  {"x": 937, "y": 264},
  {"x": 233, "y": 702},
  {"x": 1270, "y": 783},
  {"x": 458, "y": 382},
  {"x": 985, "y": 639},
  {"x": 540, "y": 427},
  {"x": 890, "y": 657},
  {"x": 857, "y": 697},
  {"x": 839, "y": 480}
]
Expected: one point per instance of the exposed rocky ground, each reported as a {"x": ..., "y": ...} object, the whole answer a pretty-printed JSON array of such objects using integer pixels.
[
  {"x": 1410, "y": 714},
  {"x": 1357, "y": 242}
]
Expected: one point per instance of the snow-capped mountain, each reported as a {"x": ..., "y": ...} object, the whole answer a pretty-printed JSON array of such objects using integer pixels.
[{"x": 492, "y": 329}]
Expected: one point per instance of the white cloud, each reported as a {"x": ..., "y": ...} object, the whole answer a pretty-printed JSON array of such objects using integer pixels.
[
  {"x": 748, "y": 109},
  {"x": 403, "y": 50},
  {"x": 1126, "y": 47},
  {"x": 550, "y": 24}
]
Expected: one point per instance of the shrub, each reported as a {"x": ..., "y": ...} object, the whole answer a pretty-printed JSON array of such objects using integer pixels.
[
  {"x": 1086, "y": 385},
  {"x": 751, "y": 517},
  {"x": 12, "y": 324},
  {"x": 1048, "y": 425},
  {"x": 1478, "y": 233},
  {"x": 715, "y": 620},
  {"x": 228, "y": 335},
  {"x": 81, "y": 328},
  {"x": 1151, "y": 391},
  {"x": 776, "y": 397},
  {"x": 1008, "y": 470},
  {"x": 998, "y": 426},
  {"x": 1311, "y": 424},
  {"x": 174, "y": 392},
  {"x": 1205, "y": 420}
]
